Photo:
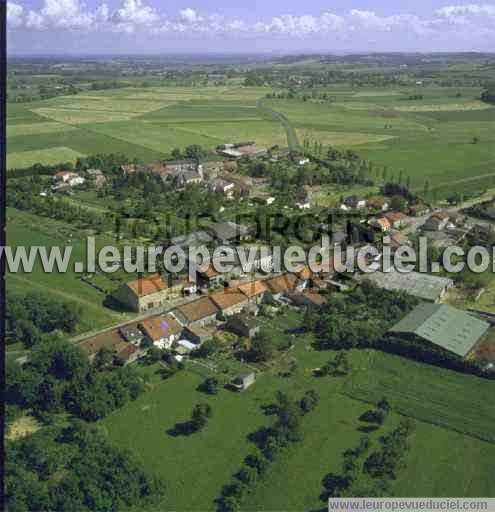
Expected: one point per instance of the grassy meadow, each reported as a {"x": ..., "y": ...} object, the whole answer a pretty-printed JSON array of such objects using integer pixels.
[
  {"x": 426, "y": 139},
  {"x": 24, "y": 229},
  {"x": 459, "y": 464},
  {"x": 144, "y": 123}
]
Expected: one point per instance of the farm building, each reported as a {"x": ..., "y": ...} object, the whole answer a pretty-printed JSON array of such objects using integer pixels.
[
  {"x": 397, "y": 220},
  {"x": 282, "y": 286},
  {"x": 241, "y": 149},
  {"x": 199, "y": 312},
  {"x": 131, "y": 334},
  {"x": 381, "y": 224},
  {"x": 423, "y": 286},
  {"x": 113, "y": 340},
  {"x": 161, "y": 330},
  {"x": 227, "y": 232},
  {"x": 353, "y": 202},
  {"x": 418, "y": 210},
  {"x": 243, "y": 324},
  {"x": 243, "y": 381},
  {"x": 254, "y": 290},
  {"x": 210, "y": 278},
  {"x": 451, "y": 329},
  {"x": 224, "y": 187},
  {"x": 196, "y": 238},
  {"x": 229, "y": 301},
  {"x": 182, "y": 165},
  {"x": 211, "y": 170},
  {"x": 309, "y": 300},
  {"x": 185, "y": 347},
  {"x": 378, "y": 203},
  {"x": 144, "y": 294},
  {"x": 436, "y": 222},
  {"x": 197, "y": 334}
]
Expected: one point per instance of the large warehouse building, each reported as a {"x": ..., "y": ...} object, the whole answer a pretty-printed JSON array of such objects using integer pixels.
[{"x": 444, "y": 326}]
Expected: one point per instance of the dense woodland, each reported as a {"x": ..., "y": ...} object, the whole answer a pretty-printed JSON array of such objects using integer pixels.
[
  {"x": 73, "y": 468},
  {"x": 33, "y": 316}
]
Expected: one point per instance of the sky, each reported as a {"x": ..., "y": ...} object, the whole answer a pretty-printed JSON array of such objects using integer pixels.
[{"x": 248, "y": 26}]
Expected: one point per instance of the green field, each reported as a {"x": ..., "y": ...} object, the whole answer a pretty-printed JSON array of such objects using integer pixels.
[
  {"x": 425, "y": 139},
  {"x": 24, "y": 229},
  {"x": 429, "y": 139},
  {"x": 142, "y": 123},
  {"x": 52, "y": 156},
  {"x": 459, "y": 402},
  {"x": 459, "y": 465}
]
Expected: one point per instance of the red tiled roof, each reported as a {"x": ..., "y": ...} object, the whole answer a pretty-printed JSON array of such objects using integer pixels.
[
  {"x": 160, "y": 326},
  {"x": 127, "y": 351},
  {"x": 147, "y": 285},
  {"x": 283, "y": 283},
  {"x": 305, "y": 273},
  {"x": 210, "y": 272},
  {"x": 109, "y": 339},
  {"x": 395, "y": 216},
  {"x": 198, "y": 309},
  {"x": 315, "y": 298},
  {"x": 227, "y": 298},
  {"x": 253, "y": 288},
  {"x": 383, "y": 222}
]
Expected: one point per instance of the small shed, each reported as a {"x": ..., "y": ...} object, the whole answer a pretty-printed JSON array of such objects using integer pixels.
[
  {"x": 185, "y": 347},
  {"x": 243, "y": 381}
]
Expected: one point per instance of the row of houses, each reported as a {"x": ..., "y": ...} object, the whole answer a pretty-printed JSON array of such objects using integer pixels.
[
  {"x": 389, "y": 221},
  {"x": 245, "y": 297},
  {"x": 186, "y": 172},
  {"x": 381, "y": 204},
  {"x": 186, "y": 327}
]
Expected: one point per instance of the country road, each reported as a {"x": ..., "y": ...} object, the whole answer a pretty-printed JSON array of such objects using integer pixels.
[{"x": 292, "y": 140}]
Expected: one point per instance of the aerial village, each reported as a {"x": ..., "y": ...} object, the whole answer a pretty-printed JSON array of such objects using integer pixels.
[{"x": 177, "y": 316}]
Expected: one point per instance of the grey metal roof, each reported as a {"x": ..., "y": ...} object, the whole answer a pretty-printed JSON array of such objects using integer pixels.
[
  {"x": 194, "y": 238},
  {"x": 228, "y": 230},
  {"x": 421, "y": 285},
  {"x": 450, "y": 328}
]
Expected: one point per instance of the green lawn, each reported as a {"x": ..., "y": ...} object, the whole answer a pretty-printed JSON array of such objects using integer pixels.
[
  {"x": 463, "y": 403},
  {"x": 24, "y": 229},
  {"x": 428, "y": 139},
  {"x": 144, "y": 123},
  {"x": 441, "y": 462},
  {"x": 52, "y": 156}
]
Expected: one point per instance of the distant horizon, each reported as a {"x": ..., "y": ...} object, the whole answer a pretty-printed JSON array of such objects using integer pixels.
[{"x": 268, "y": 53}]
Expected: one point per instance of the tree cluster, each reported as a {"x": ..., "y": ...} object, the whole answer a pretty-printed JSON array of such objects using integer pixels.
[
  {"x": 58, "y": 377},
  {"x": 75, "y": 468},
  {"x": 33, "y": 315},
  {"x": 361, "y": 318}
]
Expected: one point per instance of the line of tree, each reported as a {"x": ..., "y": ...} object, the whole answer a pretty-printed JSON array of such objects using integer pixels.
[
  {"x": 270, "y": 442},
  {"x": 365, "y": 474}
]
